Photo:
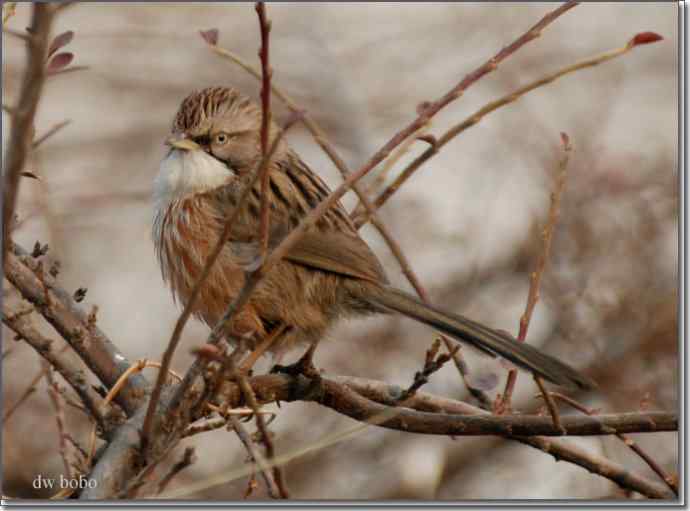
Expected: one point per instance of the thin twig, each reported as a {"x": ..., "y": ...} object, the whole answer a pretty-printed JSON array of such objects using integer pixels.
[
  {"x": 52, "y": 131},
  {"x": 550, "y": 405},
  {"x": 266, "y": 72},
  {"x": 250, "y": 397},
  {"x": 255, "y": 456},
  {"x": 56, "y": 398},
  {"x": 536, "y": 275},
  {"x": 477, "y": 116}
]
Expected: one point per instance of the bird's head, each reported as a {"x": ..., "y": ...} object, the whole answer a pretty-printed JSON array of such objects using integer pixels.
[{"x": 216, "y": 135}]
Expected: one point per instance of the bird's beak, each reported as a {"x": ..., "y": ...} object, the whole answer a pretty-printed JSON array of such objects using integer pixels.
[{"x": 180, "y": 142}]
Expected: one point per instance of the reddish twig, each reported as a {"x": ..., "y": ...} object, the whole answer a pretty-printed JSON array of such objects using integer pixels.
[
  {"x": 535, "y": 277},
  {"x": 266, "y": 73},
  {"x": 476, "y": 117}
]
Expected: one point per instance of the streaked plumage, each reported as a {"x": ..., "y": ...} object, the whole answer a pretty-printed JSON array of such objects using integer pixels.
[{"x": 330, "y": 273}]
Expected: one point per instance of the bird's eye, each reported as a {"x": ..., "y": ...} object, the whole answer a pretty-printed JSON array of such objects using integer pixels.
[{"x": 221, "y": 138}]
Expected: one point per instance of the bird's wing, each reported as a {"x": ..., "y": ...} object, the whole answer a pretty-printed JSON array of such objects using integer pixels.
[{"x": 337, "y": 252}]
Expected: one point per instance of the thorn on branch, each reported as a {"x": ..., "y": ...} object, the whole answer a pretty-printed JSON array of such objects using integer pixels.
[
  {"x": 429, "y": 139},
  {"x": 30, "y": 175}
]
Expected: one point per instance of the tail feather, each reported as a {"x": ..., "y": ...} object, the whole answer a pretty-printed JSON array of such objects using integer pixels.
[{"x": 490, "y": 341}]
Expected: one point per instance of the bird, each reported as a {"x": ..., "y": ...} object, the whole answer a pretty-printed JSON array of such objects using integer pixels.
[{"x": 330, "y": 273}]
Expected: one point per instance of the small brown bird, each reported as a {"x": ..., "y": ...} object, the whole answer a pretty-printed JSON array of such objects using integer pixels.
[{"x": 329, "y": 274}]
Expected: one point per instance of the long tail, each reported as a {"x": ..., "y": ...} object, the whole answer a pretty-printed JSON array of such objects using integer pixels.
[{"x": 490, "y": 341}]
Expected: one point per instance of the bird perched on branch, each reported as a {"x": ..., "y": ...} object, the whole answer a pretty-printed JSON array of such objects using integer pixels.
[{"x": 330, "y": 273}]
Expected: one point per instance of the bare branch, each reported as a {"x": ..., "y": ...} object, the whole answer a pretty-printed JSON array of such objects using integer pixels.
[
  {"x": 266, "y": 72},
  {"x": 73, "y": 375},
  {"x": 60, "y": 310},
  {"x": 477, "y": 116},
  {"x": 22, "y": 120},
  {"x": 255, "y": 456},
  {"x": 535, "y": 278}
]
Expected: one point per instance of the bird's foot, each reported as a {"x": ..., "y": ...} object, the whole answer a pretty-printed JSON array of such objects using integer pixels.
[{"x": 304, "y": 366}]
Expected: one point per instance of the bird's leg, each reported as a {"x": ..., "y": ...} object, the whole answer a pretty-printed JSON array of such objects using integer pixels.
[
  {"x": 249, "y": 362},
  {"x": 304, "y": 366}
]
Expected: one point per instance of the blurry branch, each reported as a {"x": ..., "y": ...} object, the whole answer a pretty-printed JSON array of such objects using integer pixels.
[
  {"x": 535, "y": 280},
  {"x": 669, "y": 480},
  {"x": 29, "y": 390},
  {"x": 58, "y": 404},
  {"x": 188, "y": 458},
  {"x": 250, "y": 398},
  {"x": 61, "y": 311},
  {"x": 642, "y": 38},
  {"x": 426, "y": 111},
  {"x": 22, "y": 116},
  {"x": 255, "y": 456},
  {"x": 20, "y": 322},
  {"x": 17, "y": 35}
]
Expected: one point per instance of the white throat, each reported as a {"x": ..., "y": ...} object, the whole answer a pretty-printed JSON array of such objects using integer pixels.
[{"x": 184, "y": 173}]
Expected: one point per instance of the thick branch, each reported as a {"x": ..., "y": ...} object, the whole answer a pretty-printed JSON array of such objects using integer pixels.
[
  {"x": 60, "y": 310},
  {"x": 346, "y": 401}
]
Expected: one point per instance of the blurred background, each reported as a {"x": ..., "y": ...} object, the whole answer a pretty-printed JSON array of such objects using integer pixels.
[{"x": 469, "y": 221}]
